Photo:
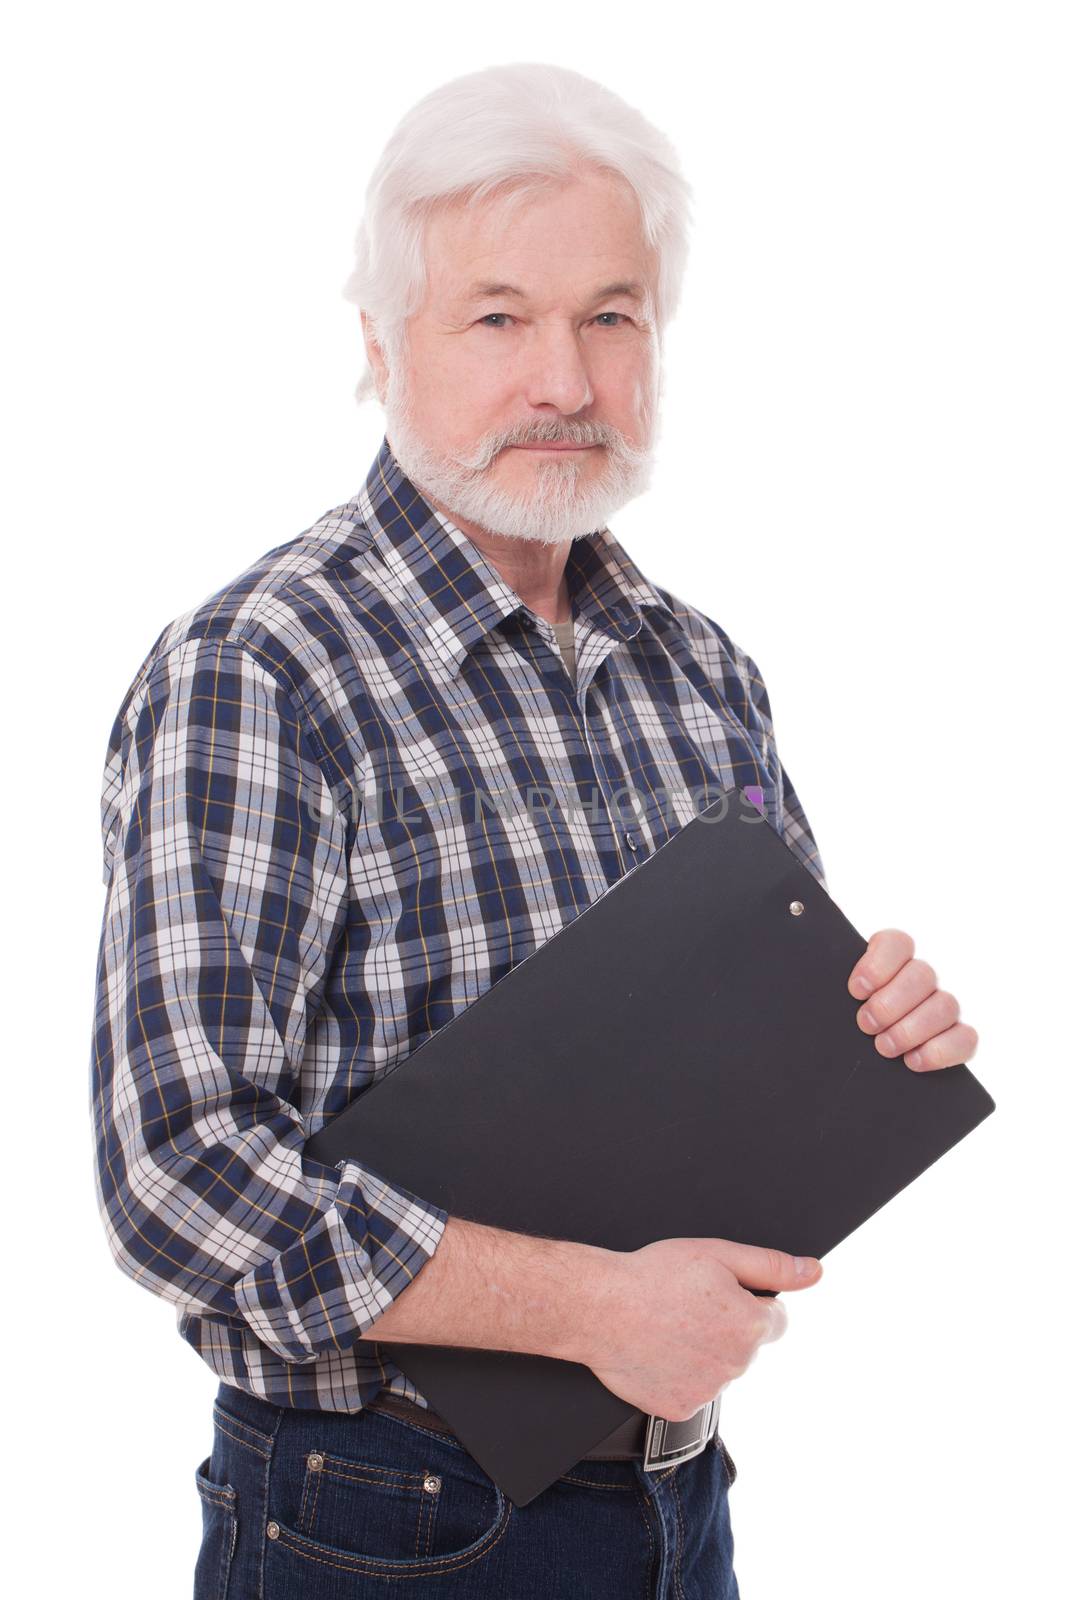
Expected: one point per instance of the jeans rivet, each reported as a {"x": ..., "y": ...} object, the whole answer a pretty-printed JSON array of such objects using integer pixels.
[
  {"x": 273, "y": 1530},
  {"x": 315, "y": 1460},
  {"x": 431, "y": 1484}
]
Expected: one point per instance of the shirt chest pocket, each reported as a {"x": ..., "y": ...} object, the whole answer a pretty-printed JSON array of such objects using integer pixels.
[
  {"x": 697, "y": 749},
  {"x": 451, "y": 890}
]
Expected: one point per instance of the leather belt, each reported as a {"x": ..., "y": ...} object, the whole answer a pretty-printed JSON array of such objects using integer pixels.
[{"x": 653, "y": 1441}]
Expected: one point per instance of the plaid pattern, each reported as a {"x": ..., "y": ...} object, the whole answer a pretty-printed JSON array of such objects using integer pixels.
[{"x": 342, "y": 797}]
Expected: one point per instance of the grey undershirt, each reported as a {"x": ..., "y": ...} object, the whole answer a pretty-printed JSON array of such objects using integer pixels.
[{"x": 564, "y": 632}]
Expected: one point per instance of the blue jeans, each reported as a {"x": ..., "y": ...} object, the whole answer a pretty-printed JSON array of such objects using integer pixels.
[{"x": 327, "y": 1505}]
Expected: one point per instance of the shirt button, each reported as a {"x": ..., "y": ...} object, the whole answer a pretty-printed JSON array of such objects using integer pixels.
[{"x": 631, "y": 841}]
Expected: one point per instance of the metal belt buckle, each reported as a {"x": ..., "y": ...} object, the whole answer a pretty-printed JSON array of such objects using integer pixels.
[{"x": 667, "y": 1443}]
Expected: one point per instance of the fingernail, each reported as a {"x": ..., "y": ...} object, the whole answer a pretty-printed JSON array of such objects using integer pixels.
[
  {"x": 864, "y": 985},
  {"x": 804, "y": 1265}
]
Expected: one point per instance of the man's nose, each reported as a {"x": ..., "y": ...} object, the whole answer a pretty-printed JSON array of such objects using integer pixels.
[{"x": 556, "y": 372}]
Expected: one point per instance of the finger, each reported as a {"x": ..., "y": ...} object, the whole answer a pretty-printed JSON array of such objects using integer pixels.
[
  {"x": 777, "y": 1320},
  {"x": 949, "y": 1049},
  {"x": 886, "y": 952},
  {"x": 915, "y": 982},
  {"x": 761, "y": 1267},
  {"x": 933, "y": 1016}
]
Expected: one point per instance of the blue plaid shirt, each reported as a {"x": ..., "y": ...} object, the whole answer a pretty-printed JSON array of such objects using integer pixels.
[{"x": 342, "y": 797}]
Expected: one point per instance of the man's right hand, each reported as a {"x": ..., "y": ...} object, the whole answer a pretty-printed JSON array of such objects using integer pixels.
[{"x": 682, "y": 1326}]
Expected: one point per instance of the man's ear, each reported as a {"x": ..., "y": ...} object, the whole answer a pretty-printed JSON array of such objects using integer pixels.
[
  {"x": 375, "y": 357},
  {"x": 368, "y": 338}
]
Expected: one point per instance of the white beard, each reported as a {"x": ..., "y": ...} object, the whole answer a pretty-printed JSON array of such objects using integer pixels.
[{"x": 562, "y": 504}]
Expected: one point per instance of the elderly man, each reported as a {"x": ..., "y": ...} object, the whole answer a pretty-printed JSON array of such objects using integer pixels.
[{"x": 302, "y": 887}]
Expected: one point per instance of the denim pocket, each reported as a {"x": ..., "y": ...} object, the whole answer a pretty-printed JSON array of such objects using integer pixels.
[
  {"x": 728, "y": 1461},
  {"x": 435, "y": 1511},
  {"x": 218, "y": 1504}
]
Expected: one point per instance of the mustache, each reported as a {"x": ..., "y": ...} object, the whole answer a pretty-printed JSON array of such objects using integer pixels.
[
  {"x": 477, "y": 460},
  {"x": 496, "y": 444}
]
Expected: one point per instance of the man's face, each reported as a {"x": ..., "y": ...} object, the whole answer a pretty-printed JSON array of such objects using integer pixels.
[{"x": 490, "y": 373}]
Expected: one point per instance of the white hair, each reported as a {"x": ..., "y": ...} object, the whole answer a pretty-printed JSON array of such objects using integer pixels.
[{"x": 508, "y": 132}]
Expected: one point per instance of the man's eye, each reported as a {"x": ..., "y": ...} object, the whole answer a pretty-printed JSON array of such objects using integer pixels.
[{"x": 488, "y": 318}]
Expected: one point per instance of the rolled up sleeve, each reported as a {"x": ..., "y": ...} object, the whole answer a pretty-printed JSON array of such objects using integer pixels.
[{"x": 225, "y": 866}]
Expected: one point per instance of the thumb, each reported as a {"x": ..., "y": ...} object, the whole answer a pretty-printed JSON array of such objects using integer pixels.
[{"x": 759, "y": 1267}]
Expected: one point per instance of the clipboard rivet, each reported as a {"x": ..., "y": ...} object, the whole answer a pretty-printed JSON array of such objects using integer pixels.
[
  {"x": 431, "y": 1484},
  {"x": 796, "y": 907}
]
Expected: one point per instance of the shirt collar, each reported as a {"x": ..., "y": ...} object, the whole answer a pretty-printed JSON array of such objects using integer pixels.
[{"x": 458, "y": 595}]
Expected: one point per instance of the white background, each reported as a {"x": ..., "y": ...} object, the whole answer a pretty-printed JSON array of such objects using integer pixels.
[{"x": 861, "y": 477}]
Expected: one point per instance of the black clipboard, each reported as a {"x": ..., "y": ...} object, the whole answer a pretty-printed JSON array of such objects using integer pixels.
[{"x": 680, "y": 1059}]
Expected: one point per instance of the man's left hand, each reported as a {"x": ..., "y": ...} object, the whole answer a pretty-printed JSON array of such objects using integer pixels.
[{"x": 903, "y": 1007}]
